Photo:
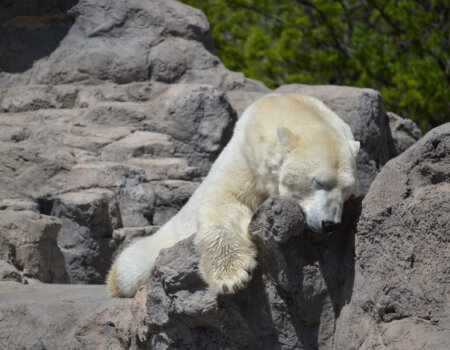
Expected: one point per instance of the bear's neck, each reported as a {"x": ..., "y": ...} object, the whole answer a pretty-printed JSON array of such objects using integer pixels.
[
  {"x": 264, "y": 163},
  {"x": 249, "y": 167},
  {"x": 266, "y": 175}
]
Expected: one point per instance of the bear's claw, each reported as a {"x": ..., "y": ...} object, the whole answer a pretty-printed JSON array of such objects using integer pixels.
[{"x": 232, "y": 280}]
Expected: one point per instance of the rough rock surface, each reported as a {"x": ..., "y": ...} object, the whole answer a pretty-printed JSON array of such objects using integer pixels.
[
  {"x": 53, "y": 317},
  {"x": 404, "y": 132},
  {"x": 28, "y": 241},
  {"x": 292, "y": 302},
  {"x": 401, "y": 292}
]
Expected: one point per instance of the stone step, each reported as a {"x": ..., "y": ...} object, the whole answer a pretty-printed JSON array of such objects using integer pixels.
[
  {"x": 166, "y": 168},
  {"x": 139, "y": 144}
]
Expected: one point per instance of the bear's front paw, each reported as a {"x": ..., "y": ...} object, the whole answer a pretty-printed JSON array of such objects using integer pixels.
[{"x": 229, "y": 275}]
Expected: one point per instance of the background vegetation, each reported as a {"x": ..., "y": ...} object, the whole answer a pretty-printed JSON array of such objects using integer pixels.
[{"x": 400, "y": 48}]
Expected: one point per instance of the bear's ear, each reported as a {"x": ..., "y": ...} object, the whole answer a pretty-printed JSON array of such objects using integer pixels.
[
  {"x": 286, "y": 137},
  {"x": 355, "y": 145}
]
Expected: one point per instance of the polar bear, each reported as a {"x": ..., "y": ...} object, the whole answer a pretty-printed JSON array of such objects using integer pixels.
[{"x": 283, "y": 144}]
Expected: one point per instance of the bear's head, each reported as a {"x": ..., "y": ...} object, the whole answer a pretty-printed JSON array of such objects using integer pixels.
[{"x": 318, "y": 170}]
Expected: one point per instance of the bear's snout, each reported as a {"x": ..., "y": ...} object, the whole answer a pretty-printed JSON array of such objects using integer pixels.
[{"x": 330, "y": 226}]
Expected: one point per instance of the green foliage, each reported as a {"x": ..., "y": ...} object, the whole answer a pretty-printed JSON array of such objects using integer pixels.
[{"x": 398, "y": 47}]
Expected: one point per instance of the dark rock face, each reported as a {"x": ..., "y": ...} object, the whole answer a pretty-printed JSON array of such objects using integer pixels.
[
  {"x": 401, "y": 289},
  {"x": 292, "y": 301},
  {"x": 31, "y": 30}
]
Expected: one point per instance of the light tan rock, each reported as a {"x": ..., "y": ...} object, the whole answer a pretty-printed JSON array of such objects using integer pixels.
[
  {"x": 142, "y": 144},
  {"x": 28, "y": 242}
]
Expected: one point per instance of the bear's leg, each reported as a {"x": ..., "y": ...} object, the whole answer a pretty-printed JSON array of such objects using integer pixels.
[{"x": 227, "y": 253}]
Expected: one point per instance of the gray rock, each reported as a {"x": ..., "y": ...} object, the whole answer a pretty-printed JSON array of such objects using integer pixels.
[
  {"x": 292, "y": 301},
  {"x": 13, "y": 133},
  {"x": 18, "y": 205},
  {"x": 206, "y": 116},
  {"x": 137, "y": 205},
  {"x": 168, "y": 62},
  {"x": 240, "y": 101},
  {"x": 172, "y": 168},
  {"x": 124, "y": 151},
  {"x": 171, "y": 196},
  {"x": 28, "y": 242},
  {"x": 127, "y": 235},
  {"x": 65, "y": 317},
  {"x": 8, "y": 272},
  {"x": 404, "y": 132},
  {"x": 138, "y": 144},
  {"x": 400, "y": 297},
  {"x": 26, "y": 99},
  {"x": 89, "y": 50},
  {"x": 88, "y": 218}
]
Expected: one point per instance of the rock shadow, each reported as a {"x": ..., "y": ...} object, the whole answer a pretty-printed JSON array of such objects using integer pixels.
[
  {"x": 29, "y": 32},
  {"x": 312, "y": 277},
  {"x": 84, "y": 238}
]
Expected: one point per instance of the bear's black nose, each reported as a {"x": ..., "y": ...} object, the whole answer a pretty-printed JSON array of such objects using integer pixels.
[{"x": 330, "y": 226}]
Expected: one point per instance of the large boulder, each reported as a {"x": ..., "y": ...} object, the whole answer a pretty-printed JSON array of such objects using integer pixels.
[
  {"x": 90, "y": 41},
  {"x": 292, "y": 301},
  {"x": 401, "y": 287}
]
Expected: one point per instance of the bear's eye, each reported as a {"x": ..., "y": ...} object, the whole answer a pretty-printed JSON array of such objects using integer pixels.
[{"x": 320, "y": 185}]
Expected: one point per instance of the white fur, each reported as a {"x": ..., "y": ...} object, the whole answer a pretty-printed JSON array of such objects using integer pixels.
[{"x": 282, "y": 145}]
